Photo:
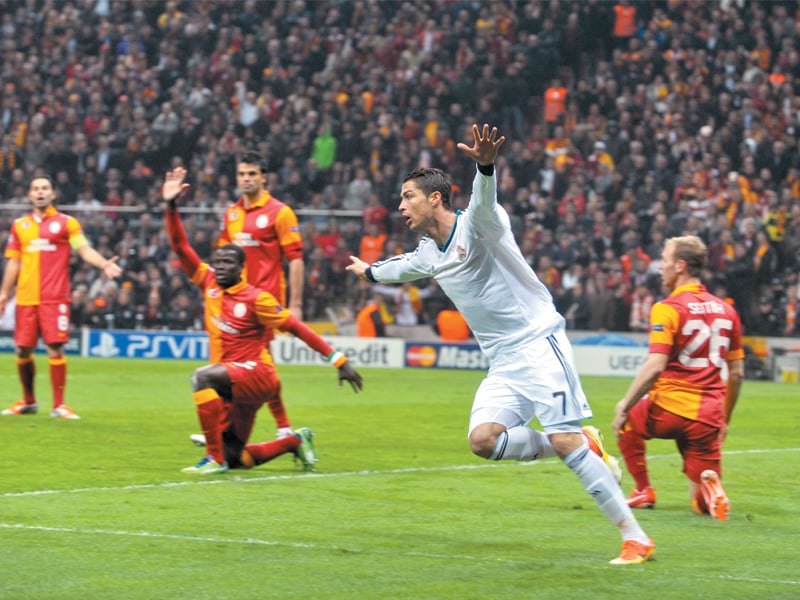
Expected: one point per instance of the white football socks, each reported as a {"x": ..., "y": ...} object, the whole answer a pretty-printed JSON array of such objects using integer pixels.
[
  {"x": 599, "y": 482},
  {"x": 522, "y": 443}
]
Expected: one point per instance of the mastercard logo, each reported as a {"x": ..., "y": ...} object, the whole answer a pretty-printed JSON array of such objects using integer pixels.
[{"x": 421, "y": 356}]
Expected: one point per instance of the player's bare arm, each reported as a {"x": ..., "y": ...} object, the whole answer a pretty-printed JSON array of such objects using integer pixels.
[
  {"x": 108, "y": 266},
  {"x": 9, "y": 279},
  {"x": 485, "y": 146},
  {"x": 641, "y": 384}
]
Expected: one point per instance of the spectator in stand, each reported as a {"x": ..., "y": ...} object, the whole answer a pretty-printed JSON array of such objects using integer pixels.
[
  {"x": 375, "y": 213},
  {"x": 768, "y": 320},
  {"x": 407, "y": 301},
  {"x": 733, "y": 118},
  {"x": 641, "y": 306},
  {"x": 180, "y": 315},
  {"x": 328, "y": 240},
  {"x": 370, "y": 320},
  {"x": 451, "y": 326},
  {"x": 576, "y": 308},
  {"x": 555, "y": 104},
  {"x": 151, "y": 316},
  {"x": 739, "y": 279},
  {"x": 124, "y": 309},
  {"x": 372, "y": 244}
]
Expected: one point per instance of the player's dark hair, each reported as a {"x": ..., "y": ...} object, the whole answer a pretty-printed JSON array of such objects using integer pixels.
[
  {"x": 237, "y": 250},
  {"x": 693, "y": 251},
  {"x": 253, "y": 158},
  {"x": 42, "y": 176},
  {"x": 432, "y": 180}
]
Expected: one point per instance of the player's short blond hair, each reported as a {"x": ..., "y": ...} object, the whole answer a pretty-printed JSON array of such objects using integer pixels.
[{"x": 692, "y": 250}]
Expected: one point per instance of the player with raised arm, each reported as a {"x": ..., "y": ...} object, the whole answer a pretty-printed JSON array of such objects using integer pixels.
[
  {"x": 37, "y": 261},
  {"x": 476, "y": 262},
  {"x": 679, "y": 393},
  {"x": 268, "y": 232},
  {"x": 241, "y": 375}
]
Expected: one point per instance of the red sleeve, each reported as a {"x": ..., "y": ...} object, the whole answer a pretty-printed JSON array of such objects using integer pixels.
[
  {"x": 224, "y": 234},
  {"x": 299, "y": 329},
  {"x": 190, "y": 262}
]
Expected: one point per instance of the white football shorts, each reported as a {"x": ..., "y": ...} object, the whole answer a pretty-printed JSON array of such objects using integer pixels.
[{"x": 537, "y": 380}]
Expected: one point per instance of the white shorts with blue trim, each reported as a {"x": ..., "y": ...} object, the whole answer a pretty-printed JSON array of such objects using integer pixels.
[{"x": 538, "y": 380}]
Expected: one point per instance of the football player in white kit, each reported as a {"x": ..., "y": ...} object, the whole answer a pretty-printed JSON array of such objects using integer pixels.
[{"x": 474, "y": 258}]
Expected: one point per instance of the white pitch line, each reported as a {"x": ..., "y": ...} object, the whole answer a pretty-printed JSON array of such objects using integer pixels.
[
  {"x": 258, "y": 542},
  {"x": 337, "y": 549},
  {"x": 317, "y": 476}
]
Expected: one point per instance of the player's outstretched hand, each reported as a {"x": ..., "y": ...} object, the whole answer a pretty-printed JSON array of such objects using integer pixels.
[
  {"x": 111, "y": 269},
  {"x": 348, "y": 373},
  {"x": 485, "y": 146},
  {"x": 174, "y": 185}
]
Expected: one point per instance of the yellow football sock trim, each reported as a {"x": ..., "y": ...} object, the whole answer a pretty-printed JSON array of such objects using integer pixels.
[{"x": 205, "y": 395}]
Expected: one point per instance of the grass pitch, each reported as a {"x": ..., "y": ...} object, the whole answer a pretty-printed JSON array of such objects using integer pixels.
[{"x": 399, "y": 508}]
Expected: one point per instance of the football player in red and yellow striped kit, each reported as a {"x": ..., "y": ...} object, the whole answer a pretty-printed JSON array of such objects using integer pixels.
[
  {"x": 268, "y": 232},
  {"x": 680, "y": 393},
  {"x": 241, "y": 375},
  {"x": 37, "y": 260}
]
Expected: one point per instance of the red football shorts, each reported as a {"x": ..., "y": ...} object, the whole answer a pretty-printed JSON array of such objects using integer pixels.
[
  {"x": 698, "y": 443},
  {"x": 252, "y": 384},
  {"x": 50, "y": 321}
]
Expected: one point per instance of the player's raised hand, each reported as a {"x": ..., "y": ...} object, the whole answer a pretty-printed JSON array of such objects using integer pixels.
[
  {"x": 174, "y": 185},
  {"x": 485, "y": 146},
  {"x": 348, "y": 373}
]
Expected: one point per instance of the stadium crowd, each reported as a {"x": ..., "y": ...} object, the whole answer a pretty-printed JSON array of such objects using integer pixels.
[{"x": 627, "y": 123}]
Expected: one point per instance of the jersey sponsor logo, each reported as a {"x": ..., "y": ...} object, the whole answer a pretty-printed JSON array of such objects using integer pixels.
[
  {"x": 234, "y": 215},
  {"x": 421, "y": 356},
  {"x": 239, "y": 310},
  {"x": 262, "y": 221},
  {"x": 657, "y": 328},
  {"x": 461, "y": 253},
  {"x": 41, "y": 245},
  {"x": 244, "y": 239},
  {"x": 224, "y": 326},
  {"x": 213, "y": 292}
]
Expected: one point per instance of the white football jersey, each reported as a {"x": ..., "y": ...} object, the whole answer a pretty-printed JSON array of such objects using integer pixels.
[{"x": 483, "y": 272}]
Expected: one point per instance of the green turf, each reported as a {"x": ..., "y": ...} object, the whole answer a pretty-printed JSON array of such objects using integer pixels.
[{"x": 399, "y": 508}]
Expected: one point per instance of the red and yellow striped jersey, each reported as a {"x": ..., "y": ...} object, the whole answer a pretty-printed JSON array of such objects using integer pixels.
[
  {"x": 236, "y": 317},
  {"x": 43, "y": 247},
  {"x": 268, "y": 232},
  {"x": 699, "y": 332}
]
